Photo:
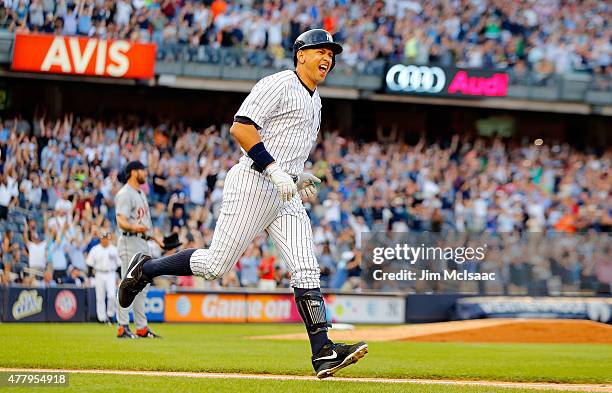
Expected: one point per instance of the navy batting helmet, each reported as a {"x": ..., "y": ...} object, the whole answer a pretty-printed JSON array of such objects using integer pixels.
[{"x": 316, "y": 38}]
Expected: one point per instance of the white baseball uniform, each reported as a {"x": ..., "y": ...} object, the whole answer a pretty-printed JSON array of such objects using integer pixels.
[
  {"x": 105, "y": 260},
  {"x": 288, "y": 116}
]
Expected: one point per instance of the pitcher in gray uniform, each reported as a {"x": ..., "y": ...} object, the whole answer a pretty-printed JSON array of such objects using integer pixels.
[{"x": 135, "y": 229}]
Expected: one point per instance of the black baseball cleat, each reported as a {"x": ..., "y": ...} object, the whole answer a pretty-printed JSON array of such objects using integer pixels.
[
  {"x": 125, "y": 332},
  {"x": 335, "y": 356},
  {"x": 147, "y": 333},
  {"x": 134, "y": 280}
]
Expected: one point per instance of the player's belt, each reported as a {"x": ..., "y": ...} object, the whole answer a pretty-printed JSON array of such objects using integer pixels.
[
  {"x": 104, "y": 271},
  {"x": 133, "y": 234},
  {"x": 256, "y": 168}
]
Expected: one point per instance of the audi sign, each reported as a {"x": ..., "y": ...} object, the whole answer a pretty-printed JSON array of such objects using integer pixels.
[
  {"x": 432, "y": 80},
  {"x": 416, "y": 79}
]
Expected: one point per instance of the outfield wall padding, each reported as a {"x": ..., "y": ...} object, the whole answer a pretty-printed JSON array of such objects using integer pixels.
[
  {"x": 25, "y": 305},
  {"x": 279, "y": 307},
  {"x": 2, "y": 305},
  {"x": 63, "y": 304},
  {"x": 67, "y": 305},
  {"x": 430, "y": 308},
  {"x": 597, "y": 309}
]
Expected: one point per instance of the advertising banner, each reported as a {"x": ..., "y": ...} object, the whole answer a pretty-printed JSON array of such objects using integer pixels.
[
  {"x": 365, "y": 309},
  {"x": 154, "y": 305},
  {"x": 421, "y": 308},
  {"x": 2, "y": 305},
  {"x": 66, "y": 304},
  {"x": 595, "y": 309},
  {"x": 25, "y": 305},
  {"x": 198, "y": 307},
  {"x": 272, "y": 308},
  {"x": 437, "y": 81},
  {"x": 91, "y": 304},
  {"x": 83, "y": 56}
]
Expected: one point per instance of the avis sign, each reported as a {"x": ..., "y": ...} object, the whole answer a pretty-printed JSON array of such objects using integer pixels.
[
  {"x": 430, "y": 80},
  {"x": 83, "y": 56}
]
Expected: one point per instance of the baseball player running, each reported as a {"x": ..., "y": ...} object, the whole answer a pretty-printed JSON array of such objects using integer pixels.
[
  {"x": 104, "y": 258},
  {"x": 134, "y": 221},
  {"x": 276, "y": 126}
]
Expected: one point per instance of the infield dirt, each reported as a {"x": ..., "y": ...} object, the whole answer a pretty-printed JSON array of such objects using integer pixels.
[{"x": 553, "y": 331}]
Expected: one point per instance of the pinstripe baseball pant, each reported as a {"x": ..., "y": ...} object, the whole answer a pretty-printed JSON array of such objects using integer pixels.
[{"x": 250, "y": 205}]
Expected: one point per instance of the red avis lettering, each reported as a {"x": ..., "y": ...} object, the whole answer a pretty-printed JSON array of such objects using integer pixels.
[
  {"x": 494, "y": 86},
  {"x": 109, "y": 59}
]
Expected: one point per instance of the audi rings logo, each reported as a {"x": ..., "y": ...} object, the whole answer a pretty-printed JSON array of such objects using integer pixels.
[{"x": 415, "y": 79}]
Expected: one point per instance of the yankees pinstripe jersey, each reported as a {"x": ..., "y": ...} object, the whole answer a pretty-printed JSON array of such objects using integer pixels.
[{"x": 288, "y": 117}]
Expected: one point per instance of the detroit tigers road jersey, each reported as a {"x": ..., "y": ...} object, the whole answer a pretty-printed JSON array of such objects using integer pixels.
[
  {"x": 133, "y": 204},
  {"x": 287, "y": 116}
]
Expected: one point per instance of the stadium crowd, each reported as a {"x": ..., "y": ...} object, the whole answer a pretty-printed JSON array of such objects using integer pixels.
[
  {"x": 548, "y": 37},
  {"x": 58, "y": 178}
]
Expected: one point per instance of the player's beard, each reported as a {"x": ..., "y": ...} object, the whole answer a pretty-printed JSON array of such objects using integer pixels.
[{"x": 142, "y": 179}]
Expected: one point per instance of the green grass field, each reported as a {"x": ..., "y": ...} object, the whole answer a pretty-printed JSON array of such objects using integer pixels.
[
  {"x": 227, "y": 348},
  {"x": 137, "y": 384}
]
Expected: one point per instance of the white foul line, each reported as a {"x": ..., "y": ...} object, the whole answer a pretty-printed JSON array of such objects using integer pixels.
[{"x": 519, "y": 385}]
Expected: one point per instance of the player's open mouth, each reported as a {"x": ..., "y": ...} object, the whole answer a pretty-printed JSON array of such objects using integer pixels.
[{"x": 323, "y": 69}]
